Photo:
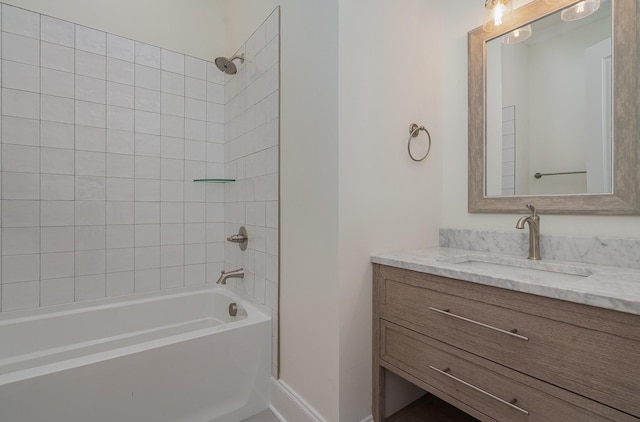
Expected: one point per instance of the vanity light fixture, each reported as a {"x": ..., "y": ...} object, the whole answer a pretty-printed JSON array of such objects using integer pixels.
[
  {"x": 517, "y": 35},
  {"x": 496, "y": 13},
  {"x": 580, "y": 10}
]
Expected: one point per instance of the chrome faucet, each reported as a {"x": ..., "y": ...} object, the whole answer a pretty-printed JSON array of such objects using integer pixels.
[
  {"x": 224, "y": 275},
  {"x": 534, "y": 232}
]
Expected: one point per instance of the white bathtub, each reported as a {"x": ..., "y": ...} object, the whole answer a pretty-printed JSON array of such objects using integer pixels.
[{"x": 153, "y": 357}]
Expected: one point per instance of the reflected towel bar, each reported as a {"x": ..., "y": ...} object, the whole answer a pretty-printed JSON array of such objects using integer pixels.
[{"x": 539, "y": 175}]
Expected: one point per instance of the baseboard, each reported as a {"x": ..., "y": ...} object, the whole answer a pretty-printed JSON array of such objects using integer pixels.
[
  {"x": 287, "y": 405},
  {"x": 368, "y": 419}
]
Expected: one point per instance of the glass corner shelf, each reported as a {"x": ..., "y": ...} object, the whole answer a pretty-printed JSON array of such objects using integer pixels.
[{"x": 214, "y": 180}]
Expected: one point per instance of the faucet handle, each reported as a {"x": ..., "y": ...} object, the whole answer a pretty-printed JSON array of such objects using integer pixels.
[{"x": 532, "y": 209}]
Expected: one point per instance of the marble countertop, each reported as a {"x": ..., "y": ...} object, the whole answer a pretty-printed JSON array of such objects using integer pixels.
[{"x": 607, "y": 287}]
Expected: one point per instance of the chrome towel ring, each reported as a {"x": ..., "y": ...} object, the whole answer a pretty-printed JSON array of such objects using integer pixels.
[{"x": 414, "y": 131}]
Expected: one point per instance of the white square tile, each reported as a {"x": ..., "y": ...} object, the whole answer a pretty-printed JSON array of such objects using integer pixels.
[
  {"x": 20, "y": 214},
  {"x": 90, "y": 188},
  {"x": 57, "y": 135},
  {"x": 172, "y": 169},
  {"x": 194, "y": 170},
  {"x": 215, "y": 132},
  {"x": 195, "y": 109},
  {"x": 120, "y": 71},
  {"x": 120, "y": 95},
  {"x": 171, "y": 234},
  {"x": 57, "y": 188},
  {"x": 58, "y": 83},
  {"x": 172, "y": 61},
  {"x": 215, "y": 253},
  {"x": 147, "y": 55},
  {"x": 120, "y": 260},
  {"x": 173, "y": 83},
  {"x": 194, "y": 274},
  {"x": 20, "y": 21},
  {"x": 90, "y": 163},
  {"x": 120, "y": 236},
  {"x": 172, "y": 255},
  {"x": 20, "y": 76},
  {"x": 91, "y": 89},
  {"x": 57, "y": 291},
  {"x": 57, "y": 239},
  {"x": 20, "y": 158},
  {"x": 171, "y": 277},
  {"x": 215, "y": 113},
  {"x": 89, "y": 262},
  {"x": 147, "y": 190},
  {"x": 120, "y": 48},
  {"x": 20, "y": 104},
  {"x": 120, "y": 142},
  {"x": 195, "y": 150},
  {"x": 20, "y": 186},
  {"x": 57, "y": 57},
  {"x": 90, "y": 64},
  {"x": 172, "y": 126},
  {"x": 20, "y": 241},
  {"x": 120, "y": 118},
  {"x": 90, "y": 139},
  {"x": 195, "y": 68},
  {"x": 215, "y": 93},
  {"x": 147, "y": 213},
  {"x": 172, "y": 148},
  {"x": 147, "y": 258},
  {"x": 172, "y": 213},
  {"x": 119, "y": 165},
  {"x": 195, "y": 233},
  {"x": 147, "y": 167},
  {"x": 90, "y": 114},
  {"x": 196, "y": 88},
  {"x": 56, "y": 213},
  {"x": 119, "y": 189},
  {"x": 147, "y": 144},
  {"x": 20, "y": 49},
  {"x": 17, "y": 268},
  {"x": 172, "y": 104},
  {"x": 119, "y": 284},
  {"x": 89, "y": 238},
  {"x": 195, "y": 212},
  {"x": 57, "y": 161},
  {"x": 195, "y": 129},
  {"x": 91, "y": 40},
  {"x": 19, "y": 131},
  {"x": 89, "y": 213},
  {"x": 147, "y": 235},
  {"x": 215, "y": 152},
  {"x": 120, "y": 212},
  {"x": 215, "y": 232},
  {"x": 17, "y": 296},
  {"x": 147, "y": 280},
  {"x": 147, "y": 100},
  {"x": 90, "y": 287},
  {"x": 56, "y": 109},
  {"x": 57, "y": 31},
  {"x": 147, "y": 122},
  {"x": 214, "y": 74},
  {"x": 147, "y": 77},
  {"x": 56, "y": 265},
  {"x": 171, "y": 191}
]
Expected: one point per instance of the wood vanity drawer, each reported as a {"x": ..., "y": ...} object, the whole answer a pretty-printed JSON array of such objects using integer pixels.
[
  {"x": 586, "y": 360},
  {"x": 491, "y": 389}
]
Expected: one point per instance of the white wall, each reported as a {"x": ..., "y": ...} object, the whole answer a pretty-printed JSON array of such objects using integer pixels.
[
  {"x": 460, "y": 17},
  {"x": 193, "y": 27}
]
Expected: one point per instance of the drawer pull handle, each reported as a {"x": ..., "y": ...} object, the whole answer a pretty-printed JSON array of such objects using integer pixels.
[
  {"x": 513, "y": 333},
  {"x": 511, "y": 403}
]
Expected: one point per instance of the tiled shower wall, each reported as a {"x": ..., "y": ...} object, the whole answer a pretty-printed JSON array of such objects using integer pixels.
[
  {"x": 252, "y": 101},
  {"x": 101, "y": 138}
]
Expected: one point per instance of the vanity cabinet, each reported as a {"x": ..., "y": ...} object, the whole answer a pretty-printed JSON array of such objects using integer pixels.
[{"x": 502, "y": 355}]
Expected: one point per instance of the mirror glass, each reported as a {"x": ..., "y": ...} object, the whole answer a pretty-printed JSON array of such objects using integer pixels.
[{"x": 548, "y": 100}]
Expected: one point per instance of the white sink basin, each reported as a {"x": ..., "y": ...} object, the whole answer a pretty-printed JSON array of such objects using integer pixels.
[{"x": 539, "y": 270}]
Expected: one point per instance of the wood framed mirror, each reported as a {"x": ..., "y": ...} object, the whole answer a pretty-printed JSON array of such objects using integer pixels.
[{"x": 619, "y": 194}]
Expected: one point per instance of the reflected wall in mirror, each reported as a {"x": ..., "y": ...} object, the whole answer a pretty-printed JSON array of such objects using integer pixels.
[
  {"x": 549, "y": 113},
  {"x": 563, "y": 100}
]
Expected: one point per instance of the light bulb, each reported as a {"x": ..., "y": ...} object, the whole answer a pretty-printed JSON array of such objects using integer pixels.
[
  {"x": 496, "y": 14},
  {"x": 518, "y": 35},
  {"x": 580, "y": 10}
]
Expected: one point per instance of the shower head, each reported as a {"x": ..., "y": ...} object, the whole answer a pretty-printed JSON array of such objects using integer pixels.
[{"x": 227, "y": 66}]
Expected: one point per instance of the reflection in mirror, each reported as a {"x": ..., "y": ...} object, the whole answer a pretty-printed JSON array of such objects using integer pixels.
[{"x": 549, "y": 107}]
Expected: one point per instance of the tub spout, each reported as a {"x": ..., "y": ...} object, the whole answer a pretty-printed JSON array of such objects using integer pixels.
[{"x": 224, "y": 275}]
